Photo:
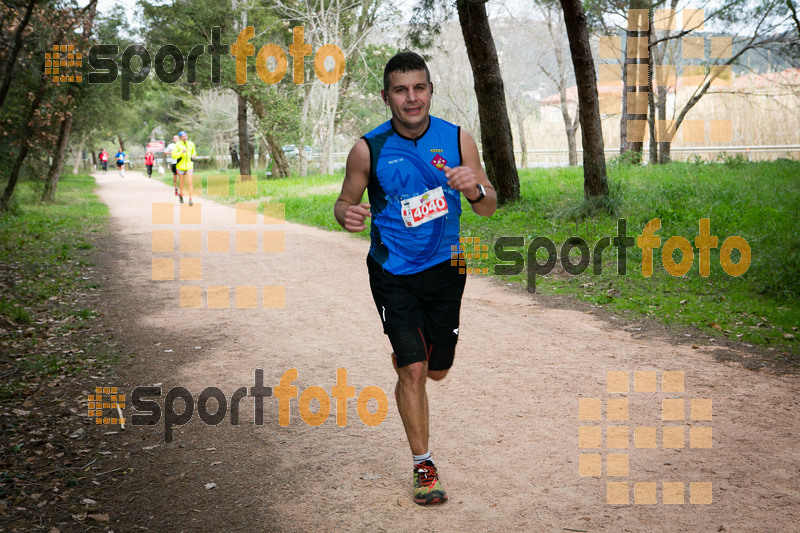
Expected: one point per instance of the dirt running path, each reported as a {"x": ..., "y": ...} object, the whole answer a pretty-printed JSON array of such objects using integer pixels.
[{"x": 504, "y": 425}]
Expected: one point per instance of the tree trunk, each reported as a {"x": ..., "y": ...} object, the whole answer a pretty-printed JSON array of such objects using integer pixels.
[
  {"x": 244, "y": 144},
  {"x": 572, "y": 143},
  {"x": 496, "y": 138},
  {"x": 595, "y": 182},
  {"x": 94, "y": 158},
  {"x": 633, "y": 141},
  {"x": 304, "y": 127},
  {"x": 27, "y": 132},
  {"x": 303, "y": 162},
  {"x": 121, "y": 144},
  {"x": 570, "y": 125},
  {"x": 263, "y": 150},
  {"x": 623, "y": 118},
  {"x": 330, "y": 102},
  {"x": 8, "y": 66},
  {"x": 234, "y": 155},
  {"x": 523, "y": 145},
  {"x": 49, "y": 193},
  {"x": 651, "y": 104},
  {"x": 332, "y": 128},
  {"x": 657, "y": 53},
  {"x": 661, "y": 109},
  {"x": 76, "y": 164},
  {"x": 280, "y": 168},
  {"x": 569, "y": 128}
]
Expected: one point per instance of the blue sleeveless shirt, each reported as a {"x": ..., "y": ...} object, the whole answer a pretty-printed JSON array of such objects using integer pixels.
[{"x": 403, "y": 168}]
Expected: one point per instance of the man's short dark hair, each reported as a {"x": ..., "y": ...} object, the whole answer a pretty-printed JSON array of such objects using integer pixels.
[{"x": 404, "y": 62}]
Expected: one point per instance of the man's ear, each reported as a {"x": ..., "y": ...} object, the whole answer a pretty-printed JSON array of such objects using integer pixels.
[
  {"x": 384, "y": 97},
  {"x": 431, "y": 87}
]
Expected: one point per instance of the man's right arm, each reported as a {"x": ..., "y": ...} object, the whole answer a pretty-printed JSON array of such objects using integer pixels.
[{"x": 349, "y": 210}]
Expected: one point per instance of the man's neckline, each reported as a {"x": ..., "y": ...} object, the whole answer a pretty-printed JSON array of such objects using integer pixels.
[{"x": 414, "y": 140}]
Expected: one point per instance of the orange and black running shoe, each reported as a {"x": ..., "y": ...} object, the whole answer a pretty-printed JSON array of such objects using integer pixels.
[{"x": 427, "y": 487}]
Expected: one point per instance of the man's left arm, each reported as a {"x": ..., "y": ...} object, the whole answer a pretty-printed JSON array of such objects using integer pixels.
[{"x": 465, "y": 178}]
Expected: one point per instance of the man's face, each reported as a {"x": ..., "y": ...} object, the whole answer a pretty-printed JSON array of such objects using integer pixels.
[
  {"x": 409, "y": 97},
  {"x": 185, "y": 137},
  {"x": 174, "y": 138}
]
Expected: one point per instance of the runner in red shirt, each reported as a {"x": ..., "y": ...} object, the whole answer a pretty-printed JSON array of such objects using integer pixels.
[{"x": 148, "y": 162}]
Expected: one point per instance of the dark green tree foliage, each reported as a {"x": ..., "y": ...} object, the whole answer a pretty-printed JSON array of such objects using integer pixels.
[
  {"x": 361, "y": 105},
  {"x": 35, "y": 107},
  {"x": 187, "y": 24}
]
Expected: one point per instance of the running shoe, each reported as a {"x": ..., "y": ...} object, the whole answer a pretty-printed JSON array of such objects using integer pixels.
[
  {"x": 190, "y": 202},
  {"x": 181, "y": 198},
  {"x": 427, "y": 487}
]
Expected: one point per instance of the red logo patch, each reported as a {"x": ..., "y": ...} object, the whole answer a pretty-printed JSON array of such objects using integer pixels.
[{"x": 439, "y": 162}]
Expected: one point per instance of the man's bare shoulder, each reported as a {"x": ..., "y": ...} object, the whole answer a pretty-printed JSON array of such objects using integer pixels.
[
  {"x": 360, "y": 148},
  {"x": 358, "y": 158}
]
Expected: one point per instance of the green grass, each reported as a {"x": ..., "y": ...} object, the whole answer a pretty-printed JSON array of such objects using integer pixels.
[
  {"x": 44, "y": 253},
  {"x": 307, "y": 200},
  {"x": 758, "y": 201}
]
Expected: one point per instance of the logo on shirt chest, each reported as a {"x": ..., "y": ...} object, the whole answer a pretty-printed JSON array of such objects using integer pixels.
[{"x": 439, "y": 162}]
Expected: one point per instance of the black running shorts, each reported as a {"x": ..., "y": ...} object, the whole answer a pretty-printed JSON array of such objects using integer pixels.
[
  {"x": 174, "y": 168},
  {"x": 420, "y": 312}
]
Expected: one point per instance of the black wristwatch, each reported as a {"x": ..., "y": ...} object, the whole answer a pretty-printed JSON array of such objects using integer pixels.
[{"x": 482, "y": 193}]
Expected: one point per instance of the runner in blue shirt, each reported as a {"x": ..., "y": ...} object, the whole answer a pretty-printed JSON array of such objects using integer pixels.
[
  {"x": 120, "y": 156},
  {"x": 415, "y": 168}
]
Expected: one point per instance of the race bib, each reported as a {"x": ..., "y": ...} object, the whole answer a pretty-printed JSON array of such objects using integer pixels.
[{"x": 424, "y": 208}]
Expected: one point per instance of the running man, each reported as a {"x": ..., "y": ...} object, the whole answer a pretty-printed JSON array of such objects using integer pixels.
[
  {"x": 171, "y": 162},
  {"x": 104, "y": 159},
  {"x": 415, "y": 168},
  {"x": 184, "y": 153},
  {"x": 120, "y": 156}
]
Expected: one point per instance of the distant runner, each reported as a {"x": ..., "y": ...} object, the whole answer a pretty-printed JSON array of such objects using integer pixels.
[
  {"x": 148, "y": 162},
  {"x": 171, "y": 162},
  {"x": 120, "y": 157},
  {"x": 184, "y": 153}
]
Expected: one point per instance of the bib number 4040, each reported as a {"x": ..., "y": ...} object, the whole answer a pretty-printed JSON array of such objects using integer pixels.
[{"x": 424, "y": 208}]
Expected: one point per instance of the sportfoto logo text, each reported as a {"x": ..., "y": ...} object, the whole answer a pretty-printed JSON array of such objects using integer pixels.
[
  {"x": 513, "y": 261},
  {"x": 106, "y": 70},
  {"x": 148, "y": 411}
]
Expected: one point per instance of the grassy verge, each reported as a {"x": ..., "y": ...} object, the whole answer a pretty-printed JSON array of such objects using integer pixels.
[
  {"x": 758, "y": 201},
  {"x": 44, "y": 262},
  {"x": 53, "y": 351}
]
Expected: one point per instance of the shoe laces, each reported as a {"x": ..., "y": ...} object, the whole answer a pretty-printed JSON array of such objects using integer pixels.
[{"x": 427, "y": 474}]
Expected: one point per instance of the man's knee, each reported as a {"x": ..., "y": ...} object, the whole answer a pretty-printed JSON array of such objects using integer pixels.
[
  {"x": 413, "y": 375},
  {"x": 441, "y": 359},
  {"x": 437, "y": 375}
]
